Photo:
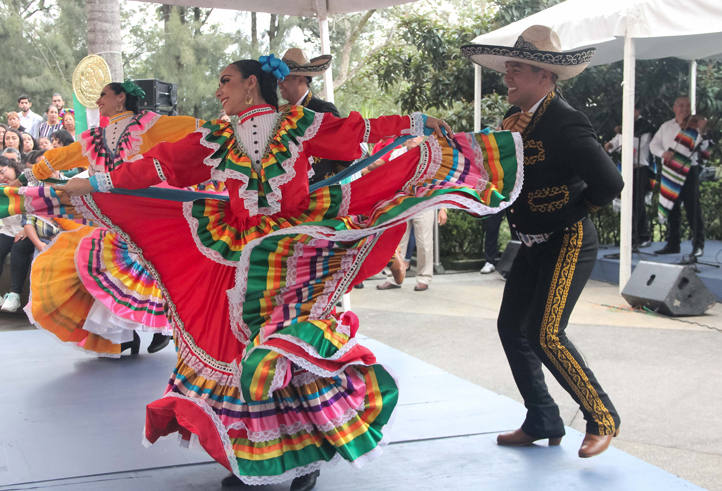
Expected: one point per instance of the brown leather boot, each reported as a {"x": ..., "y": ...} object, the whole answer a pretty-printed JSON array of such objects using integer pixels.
[
  {"x": 595, "y": 444},
  {"x": 518, "y": 438}
]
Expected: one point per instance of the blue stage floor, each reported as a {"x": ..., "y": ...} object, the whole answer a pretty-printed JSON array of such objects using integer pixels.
[
  {"x": 69, "y": 421},
  {"x": 607, "y": 269}
]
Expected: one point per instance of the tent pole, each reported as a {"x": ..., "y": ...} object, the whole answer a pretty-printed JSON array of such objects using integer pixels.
[
  {"x": 625, "y": 242},
  {"x": 477, "y": 98},
  {"x": 326, "y": 50},
  {"x": 693, "y": 85}
]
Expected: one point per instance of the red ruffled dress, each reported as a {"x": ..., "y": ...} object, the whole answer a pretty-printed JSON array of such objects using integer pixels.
[{"x": 268, "y": 379}]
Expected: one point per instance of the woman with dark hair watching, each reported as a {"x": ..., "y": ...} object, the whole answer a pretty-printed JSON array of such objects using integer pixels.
[
  {"x": 29, "y": 143},
  {"x": 44, "y": 143},
  {"x": 53, "y": 123},
  {"x": 32, "y": 158},
  {"x": 271, "y": 381},
  {"x": 107, "y": 317},
  {"x": 3, "y": 129},
  {"x": 13, "y": 139},
  {"x": 13, "y": 241},
  {"x": 61, "y": 138}
]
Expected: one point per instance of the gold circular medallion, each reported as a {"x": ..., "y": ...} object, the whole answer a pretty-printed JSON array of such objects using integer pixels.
[{"x": 89, "y": 78}]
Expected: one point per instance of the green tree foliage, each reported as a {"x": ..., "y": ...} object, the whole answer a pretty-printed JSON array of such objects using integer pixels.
[
  {"x": 42, "y": 43},
  {"x": 425, "y": 71},
  {"x": 180, "y": 47}
]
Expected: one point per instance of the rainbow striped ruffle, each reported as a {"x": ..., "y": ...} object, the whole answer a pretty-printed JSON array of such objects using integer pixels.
[
  {"x": 114, "y": 277},
  {"x": 270, "y": 381}
]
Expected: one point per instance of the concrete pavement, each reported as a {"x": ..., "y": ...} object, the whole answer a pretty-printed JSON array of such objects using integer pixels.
[{"x": 662, "y": 374}]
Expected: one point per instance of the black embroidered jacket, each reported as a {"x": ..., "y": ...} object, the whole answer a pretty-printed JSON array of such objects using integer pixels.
[
  {"x": 323, "y": 168},
  {"x": 566, "y": 170}
]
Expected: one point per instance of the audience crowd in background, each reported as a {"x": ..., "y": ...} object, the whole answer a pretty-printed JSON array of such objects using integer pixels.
[{"x": 24, "y": 137}]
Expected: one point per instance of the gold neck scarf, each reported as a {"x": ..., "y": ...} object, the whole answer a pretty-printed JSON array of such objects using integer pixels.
[{"x": 517, "y": 122}]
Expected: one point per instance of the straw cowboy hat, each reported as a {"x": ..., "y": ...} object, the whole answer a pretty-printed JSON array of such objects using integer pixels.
[
  {"x": 537, "y": 46},
  {"x": 299, "y": 64}
]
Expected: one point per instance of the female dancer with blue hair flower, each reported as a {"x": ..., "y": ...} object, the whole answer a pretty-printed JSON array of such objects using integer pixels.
[{"x": 269, "y": 379}]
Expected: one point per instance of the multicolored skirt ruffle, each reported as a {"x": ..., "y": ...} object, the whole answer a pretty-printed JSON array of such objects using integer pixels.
[
  {"x": 86, "y": 288},
  {"x": 269, "y": 379}
]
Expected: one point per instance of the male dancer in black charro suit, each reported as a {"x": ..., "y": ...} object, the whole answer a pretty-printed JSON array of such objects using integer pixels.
[
  {"x": 296, "y": 89},
  {"x": 566, "y": 174}
]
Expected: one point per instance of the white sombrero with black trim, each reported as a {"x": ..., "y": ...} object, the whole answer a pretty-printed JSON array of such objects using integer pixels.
[
  {"x": 537, "y": 46},
  {"x": 299, "y": 64}
]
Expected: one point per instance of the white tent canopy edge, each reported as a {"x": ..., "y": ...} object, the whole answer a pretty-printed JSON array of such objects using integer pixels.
[{"x": 320, "y": 9}]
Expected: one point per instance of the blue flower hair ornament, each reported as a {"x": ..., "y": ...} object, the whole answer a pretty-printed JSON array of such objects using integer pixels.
[
  {"x": 132, "y": 88},
  {"x": 274, "y": 66}
]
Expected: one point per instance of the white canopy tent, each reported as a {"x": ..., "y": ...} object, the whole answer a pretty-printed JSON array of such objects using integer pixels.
[
  {"x": 624, "y": 30},
  {"x": 304, "y": 8}
]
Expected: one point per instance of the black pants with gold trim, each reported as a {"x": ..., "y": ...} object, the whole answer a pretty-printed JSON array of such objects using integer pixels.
[{"x": 542, "y": 288}]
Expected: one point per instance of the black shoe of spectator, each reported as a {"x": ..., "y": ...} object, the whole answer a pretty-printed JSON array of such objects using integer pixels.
[{"x": 668, "y": 249}]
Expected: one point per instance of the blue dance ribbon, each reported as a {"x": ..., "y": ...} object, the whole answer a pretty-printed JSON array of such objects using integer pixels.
[
  {"x": 362, "y": 164},
  {"x": 274, "y": 66},
  {"x": 183, "y": 195}
]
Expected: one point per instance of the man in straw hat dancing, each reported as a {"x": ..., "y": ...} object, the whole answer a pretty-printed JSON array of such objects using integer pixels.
[
  {"x": 296, "y": 89},
  {"x": 566, "y": 175}
]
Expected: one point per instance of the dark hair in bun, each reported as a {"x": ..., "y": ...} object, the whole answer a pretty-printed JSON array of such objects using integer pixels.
[
  {"x": 131, "y": 101},
  {"x": 266, "y": 81}
]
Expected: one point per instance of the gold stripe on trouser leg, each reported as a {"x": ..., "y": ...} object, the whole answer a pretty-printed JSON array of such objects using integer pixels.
[{"x": 562, "y": 359}]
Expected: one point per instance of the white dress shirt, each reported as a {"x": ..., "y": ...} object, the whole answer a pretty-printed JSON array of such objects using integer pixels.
[
  {"x": 302, "y": 98},
  {"x": 664, "y": 140},
  {"x": 30, "y": 122},
  {"x": 642, "y": 144}
]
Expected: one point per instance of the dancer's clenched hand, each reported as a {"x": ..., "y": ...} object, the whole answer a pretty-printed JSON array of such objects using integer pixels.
[
  {"x": 75, "y": 187},
  {"x": 436, "y": 125}
]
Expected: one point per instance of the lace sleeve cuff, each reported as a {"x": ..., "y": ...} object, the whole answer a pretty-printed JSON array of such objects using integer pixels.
[
  {"x": 367, "y": 130},
  {"x": 27, "y": 177},
  {"x": 417, "y": 123},
  {"x": 101, "y": 182},
  {"x": 159, "y": 170}
]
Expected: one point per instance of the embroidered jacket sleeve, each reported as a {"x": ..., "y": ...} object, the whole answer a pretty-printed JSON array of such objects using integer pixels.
[
  {"x": 181, "y": 164},
  {"x": 340, "y": 138},
  {"x": 589, "y": 161}
]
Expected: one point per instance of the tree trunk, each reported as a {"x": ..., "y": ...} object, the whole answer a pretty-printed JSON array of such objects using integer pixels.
[
  {"x": 254, "y": 35},
  {"x": 272, "y": 30},
  {"x": 351, "y": 38},
  {"x": 104, "y": 34}
]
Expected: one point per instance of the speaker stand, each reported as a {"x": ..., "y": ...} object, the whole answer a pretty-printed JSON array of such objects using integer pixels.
[{"x": 692, "y": 261}]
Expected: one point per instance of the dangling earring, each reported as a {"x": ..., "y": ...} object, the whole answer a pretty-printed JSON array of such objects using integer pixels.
[
  {"x": 249, "y": 99},
  {"x": 119, "y": 108}
]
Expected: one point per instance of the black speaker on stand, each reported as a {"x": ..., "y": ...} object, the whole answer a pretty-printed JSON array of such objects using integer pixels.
[
  {"x": 510, "y": 251},
  {"x": 160, "y": 97},
  {"x": 668, "y": 289}
]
